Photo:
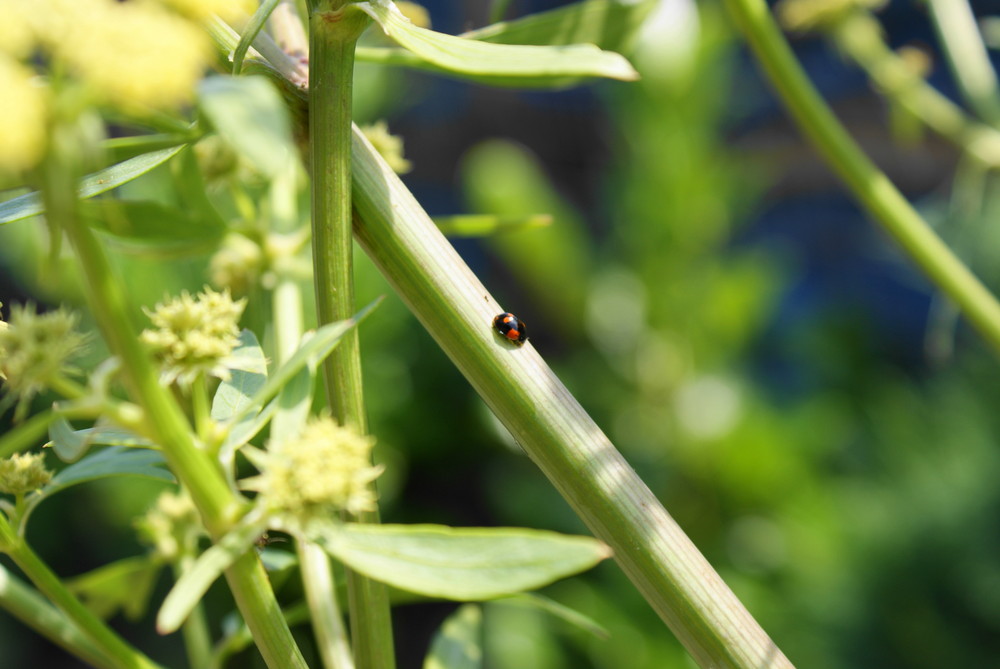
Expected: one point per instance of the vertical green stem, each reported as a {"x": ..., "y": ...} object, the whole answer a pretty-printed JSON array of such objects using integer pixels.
[
  {"x": 165, "y": 422},
  {"x": 868, "y": 184},
  {"x": 197, "y": 640},
  {"x": 334, "y": 28}
]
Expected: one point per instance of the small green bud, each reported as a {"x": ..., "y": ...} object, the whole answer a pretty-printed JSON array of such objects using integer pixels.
[
  {"x": 172, "y": 527},
  {"x": 237, "y": 265},
  {"x": 23, "y": 472},
  {"x": 325, "y": 469},
  {"x": 195, "y": 335}
]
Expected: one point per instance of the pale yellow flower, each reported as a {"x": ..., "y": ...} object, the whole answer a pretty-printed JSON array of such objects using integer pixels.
[
  {"x": 137, "y": 56},
  {"x": 200, "y": 10},
  {"x": 325, "y": 469},
  {"x": 389, "y": 146},
  {"x": 172, "y": 527},
  {"x": 23, "y": 114},
  {"x": 23, "y": 472},
  {"x": 195, "y": 335},
  {"x": 16, "y": 35}
]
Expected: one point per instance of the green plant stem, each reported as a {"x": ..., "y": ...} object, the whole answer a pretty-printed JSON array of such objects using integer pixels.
[
  {"x": 334, "y": 29},
  {"x": 970, "y": 63},
  {"x": 27, "y": 434},
  {"x": 25, "y": 604},
  {"x": 868, "y": 184},
  {"x": 104, "y": 639},
  {"x": 165, "y": 422},
  {"x": 314, "y": 564},
  {"x": 550, "y": 425},
  {"x": 859, "y": 35}
]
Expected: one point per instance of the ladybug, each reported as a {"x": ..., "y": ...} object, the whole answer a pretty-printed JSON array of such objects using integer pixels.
[{"x": 512, "y": 329}]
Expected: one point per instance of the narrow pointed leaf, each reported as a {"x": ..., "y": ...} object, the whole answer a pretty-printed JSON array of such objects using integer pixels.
[
  {"x": 193, "y": 584},
  {"x": 513, "y": 63},
  {"x": 30, "y": 204},
  {"x": 70, "y": 445},
  {"x": 572, "y": 616},
  {"x": 610, "y": 24},
  {"x": 464, "y": 564},
  {"x": 458, "y": 644},
  {"x": 250, "y": 32},
  {"x": 314, "y": 350},
  {"x": 481, "y": 225}
]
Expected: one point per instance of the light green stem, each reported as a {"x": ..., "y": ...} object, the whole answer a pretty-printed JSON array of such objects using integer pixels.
[
  {"x": 551, "y": 426},
  {"x": 165, "y": 422},
  {"x": 334, "y": 28},
  {"x": 868, "y": 184}
]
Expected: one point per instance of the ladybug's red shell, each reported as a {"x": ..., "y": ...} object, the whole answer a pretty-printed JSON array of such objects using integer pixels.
[{"x": 511, "y": 328}]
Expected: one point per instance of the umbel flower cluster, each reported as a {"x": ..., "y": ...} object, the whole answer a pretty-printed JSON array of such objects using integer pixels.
[
  {"x": 35, "y": 351},
  {"x": 195, "y": 335},
  {"x": 140, "y": 56},
  {"x": 326, "y": 468}
]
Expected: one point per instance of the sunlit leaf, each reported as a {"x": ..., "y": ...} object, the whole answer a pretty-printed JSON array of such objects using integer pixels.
[
  {"x": 247, "y": 376},
  {"x": 194, "y": 583},
  {"x": 458, "y": 563},
  {"x": 30, "y": 204},
  {"x": 249, "y": 114},
  {"x": 503, "y": 64},
  {"x": 458, "y": 643}
]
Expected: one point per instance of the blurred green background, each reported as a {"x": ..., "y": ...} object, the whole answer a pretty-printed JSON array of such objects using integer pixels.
[{"x": 744, "y": 336}]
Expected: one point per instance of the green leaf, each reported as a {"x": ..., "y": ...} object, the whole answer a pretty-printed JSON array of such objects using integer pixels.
[
  {"x": 70, "y": 445},
  {"x": 314, "y": 351},
  {"x": 30, "y": 204},
  {"x": 458, "y": 644},
  {"x": 152, "y": 228},
  {"x": 572, "y": 616},
  {"x": 112, "y": 461},
  {"x": 247, "y": 376},
  {"x": 609, "y": 24},
  {"x": 194, "y": 583},
  {"x": 249, "y": 114},
  {"x": 502, "y": 64},
  {"x": 481, "y": 225},
  {"x": 125, "y": 585},
  {"x": 458, "y": 563}
]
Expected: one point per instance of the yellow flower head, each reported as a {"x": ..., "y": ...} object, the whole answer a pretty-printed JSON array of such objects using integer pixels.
[
  {"x": 200, "y": 10},
  {"x": 195, "y": 335},
  {"x": 389, "y": 146},
  {"x": 23, "y": 114},
  {"x": 137, "y": 56},
  {"x": 22, "y": 473},
  {"x": 325, "y": 469}
]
